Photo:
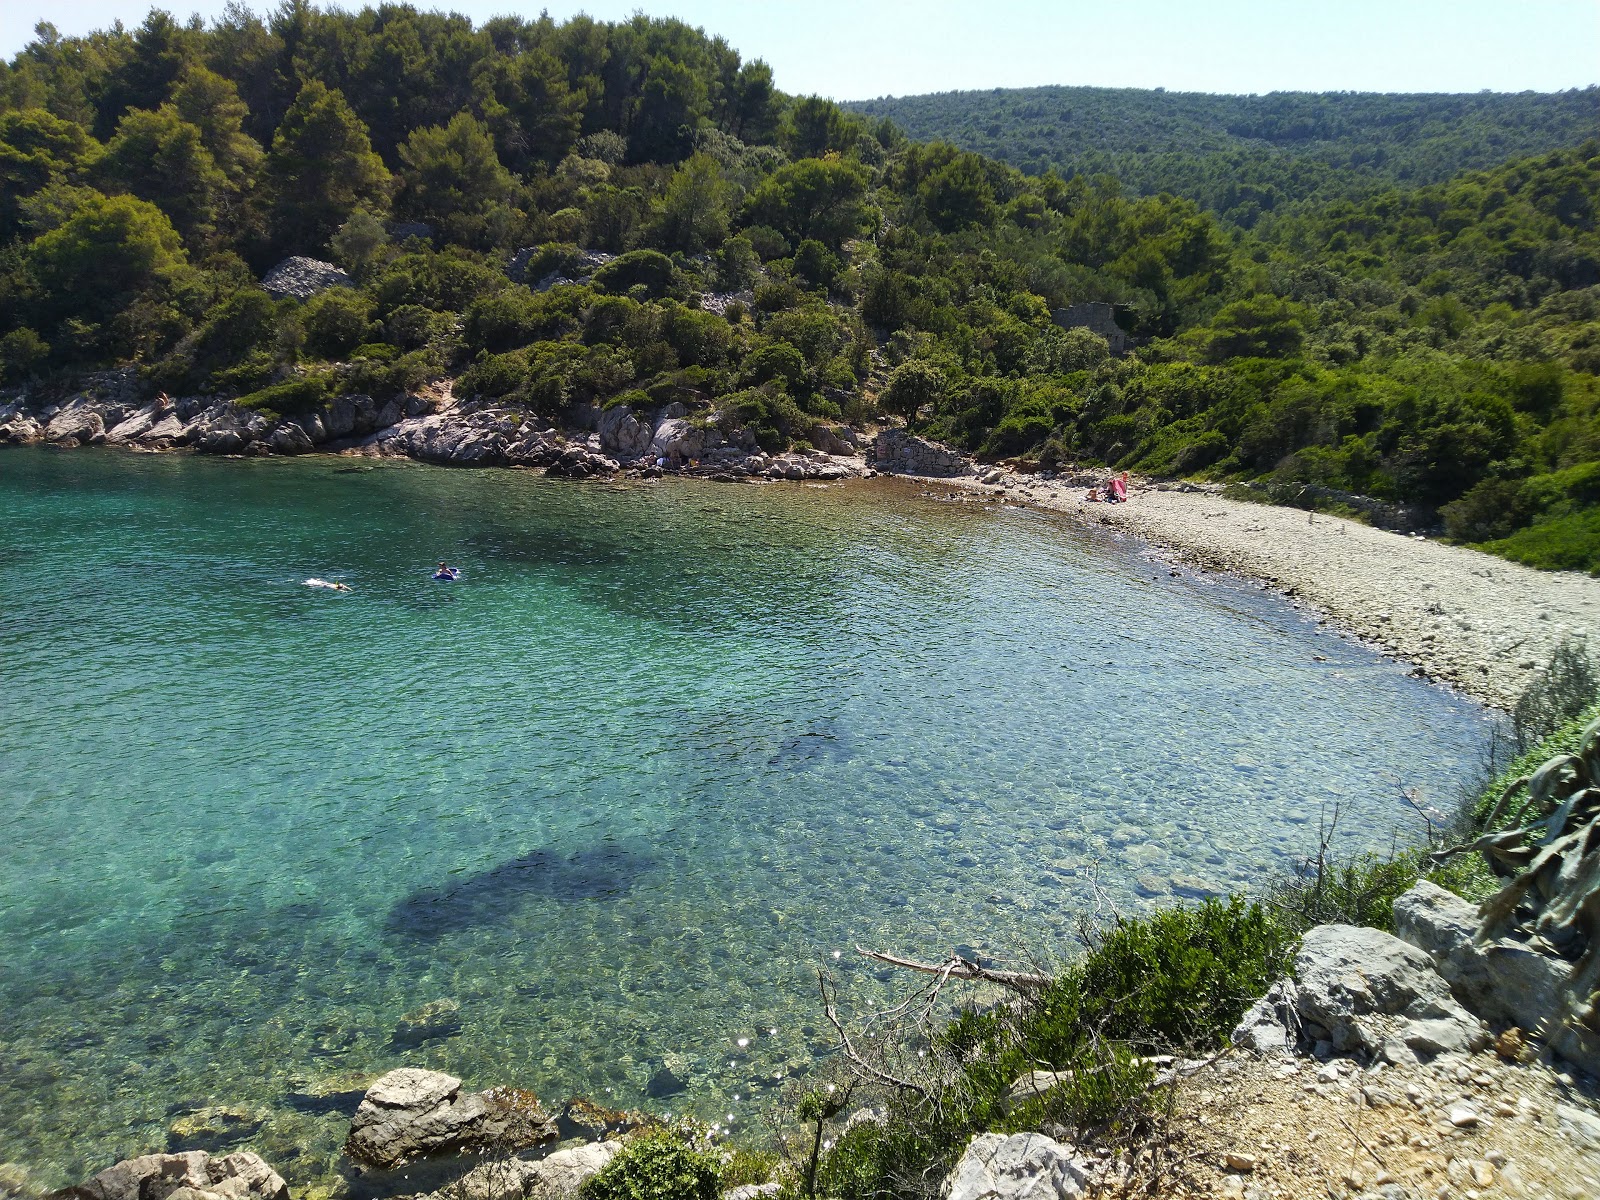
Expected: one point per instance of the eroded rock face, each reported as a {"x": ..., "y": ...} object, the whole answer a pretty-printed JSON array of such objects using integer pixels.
[
  {"x": 898, "y": 451},
  {"x": 237, "y": 1176},
  {"x": 1023, "y": 1166},
  {"x": 1272, "y": 1024},
  {"x": 677, "y": 441},
  {"x": 1365, "y": 990},
  {"x": 410, "y": 1114}
]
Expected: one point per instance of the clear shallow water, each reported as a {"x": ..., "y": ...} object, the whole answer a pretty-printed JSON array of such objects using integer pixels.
[{"x": 618, "y": 793}]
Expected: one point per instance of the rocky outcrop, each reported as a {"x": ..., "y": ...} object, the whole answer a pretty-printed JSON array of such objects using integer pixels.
[
  {"x": 411, "y": 1114},
  {"x": 1364, "y": 990},
  {"x": 194, "y": 1175},
  {"x": 1506, "y": 980},
  {"x": 622, "y": 433},
  {"x": 303, "y": 278},
  {"x": 579, "y": 268},
  {"x": 896, "y": 451},
  {"x": 1531, "y": 954},
  {"x": 677, "y": 440},
  {"x": 1022, "y": 1166},
  {"x": 554, "y": 1178},
  {"x": 430, "y": 427}
]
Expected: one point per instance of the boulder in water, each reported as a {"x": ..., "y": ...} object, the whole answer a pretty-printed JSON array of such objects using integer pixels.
[{"x": 410, "y": 1114}]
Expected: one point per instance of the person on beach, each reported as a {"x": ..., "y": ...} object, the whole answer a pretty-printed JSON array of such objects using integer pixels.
[{"x": 1117, "y": 489}]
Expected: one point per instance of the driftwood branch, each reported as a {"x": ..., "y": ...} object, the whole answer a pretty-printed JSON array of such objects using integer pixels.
[
  {"x": 957, "y": 967},
  {"x": 869, "y": 1069}
]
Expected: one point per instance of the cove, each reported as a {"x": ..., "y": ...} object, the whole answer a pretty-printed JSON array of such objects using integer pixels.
[{"x": 618, "y": 793}]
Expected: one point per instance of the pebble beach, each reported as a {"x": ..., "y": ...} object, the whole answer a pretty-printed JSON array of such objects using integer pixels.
[{"x": 1480, "y": 624}]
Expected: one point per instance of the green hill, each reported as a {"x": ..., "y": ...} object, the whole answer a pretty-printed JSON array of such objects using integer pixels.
[
  {"x": 773, "y": 264},
  {"x": 1242, "y": 156}
]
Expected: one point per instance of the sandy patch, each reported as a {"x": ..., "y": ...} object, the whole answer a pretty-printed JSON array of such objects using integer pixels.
[{"x": 1465, "y": 618}]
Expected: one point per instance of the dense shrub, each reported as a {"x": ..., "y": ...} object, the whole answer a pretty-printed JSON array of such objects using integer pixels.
[{"x": 655, "y": 1167}]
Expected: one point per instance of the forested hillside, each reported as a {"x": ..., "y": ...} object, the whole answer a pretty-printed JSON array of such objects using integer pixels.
[
  {"x": 779, "y": 263},
  {"x": 1242, "y": 156}
]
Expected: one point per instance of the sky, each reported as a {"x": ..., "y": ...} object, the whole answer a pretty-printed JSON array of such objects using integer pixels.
[{"x": 859, "y": 49}]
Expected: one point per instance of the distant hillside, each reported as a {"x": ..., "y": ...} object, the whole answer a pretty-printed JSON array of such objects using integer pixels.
[{"x": 1241, "y": 156}]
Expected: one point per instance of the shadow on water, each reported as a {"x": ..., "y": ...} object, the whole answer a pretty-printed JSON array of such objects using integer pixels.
[{"x": 604, "y": 871}]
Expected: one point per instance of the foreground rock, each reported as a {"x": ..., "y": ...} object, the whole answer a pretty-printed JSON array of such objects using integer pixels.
[
  {"x": 554, "y": 1178},
  {"x": 1365, "y": 990},
  {"x": 1022, "y": 1166},
  {"x": 194, "y": 1175},
  {"x": 1507, "y": 980},
  {"x": 411, "y": 1114}
]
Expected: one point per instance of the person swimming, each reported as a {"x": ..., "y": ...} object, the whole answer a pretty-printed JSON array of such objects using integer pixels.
[
  {"x": 447, "y": 572},
  {"x": 330, "y": 585}
]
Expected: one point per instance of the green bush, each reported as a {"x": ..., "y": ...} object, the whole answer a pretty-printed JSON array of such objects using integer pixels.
[
  {"x": 655, "y": 1167},
  {"x": 22, "y": 353},
  {"x": 1362, "y": 891},
  {"x": 494, "y": 375},
  {"x": 292, "y": 397},
  {"x": 1570, "y": 543},
  {"x": 649, "y": 269},
  {"x": 336, "y": 322}
]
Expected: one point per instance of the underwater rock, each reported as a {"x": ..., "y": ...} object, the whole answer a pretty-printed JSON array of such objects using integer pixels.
[
  {"x": 339, "y": 1093},
  {"x": 670, "y": 1078},
  {"x": 215, "y": 1127},
  {"x": 585, "y": 1119},
  {"x": 237, "y": 1176},
  {"x": 436, "y": 1019},
  {"x": 410, "y": 1114}
]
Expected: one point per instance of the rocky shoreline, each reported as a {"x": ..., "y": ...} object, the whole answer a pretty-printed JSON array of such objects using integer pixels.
[
  {"x": 1389, "y": 1067},
  {"x": 432, "y": 426}
]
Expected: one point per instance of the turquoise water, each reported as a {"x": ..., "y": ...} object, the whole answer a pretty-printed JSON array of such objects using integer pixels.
[{"x": 620, "y": 792}]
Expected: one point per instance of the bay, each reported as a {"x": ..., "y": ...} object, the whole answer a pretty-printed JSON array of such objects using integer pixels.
[{"x": 662, "y": 753}]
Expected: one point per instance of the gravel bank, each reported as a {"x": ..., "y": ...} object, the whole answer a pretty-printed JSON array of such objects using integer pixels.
[{"x": 1465, "y": 618}]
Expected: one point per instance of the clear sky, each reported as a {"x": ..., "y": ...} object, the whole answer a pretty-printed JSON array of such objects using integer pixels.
[{"x": 857, "y": 49}]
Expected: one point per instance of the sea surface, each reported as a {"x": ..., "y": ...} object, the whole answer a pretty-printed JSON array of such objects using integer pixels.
[{"x": 663, "y": 752}]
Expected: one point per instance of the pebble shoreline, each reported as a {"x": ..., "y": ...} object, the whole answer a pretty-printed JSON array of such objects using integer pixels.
[{"x": 1477, "y": 623}]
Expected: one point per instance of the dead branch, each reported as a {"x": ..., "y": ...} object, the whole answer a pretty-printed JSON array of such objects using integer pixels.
[
  {"x": 957, "y": 967},
  {"x": 871, "y": 1070}
]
